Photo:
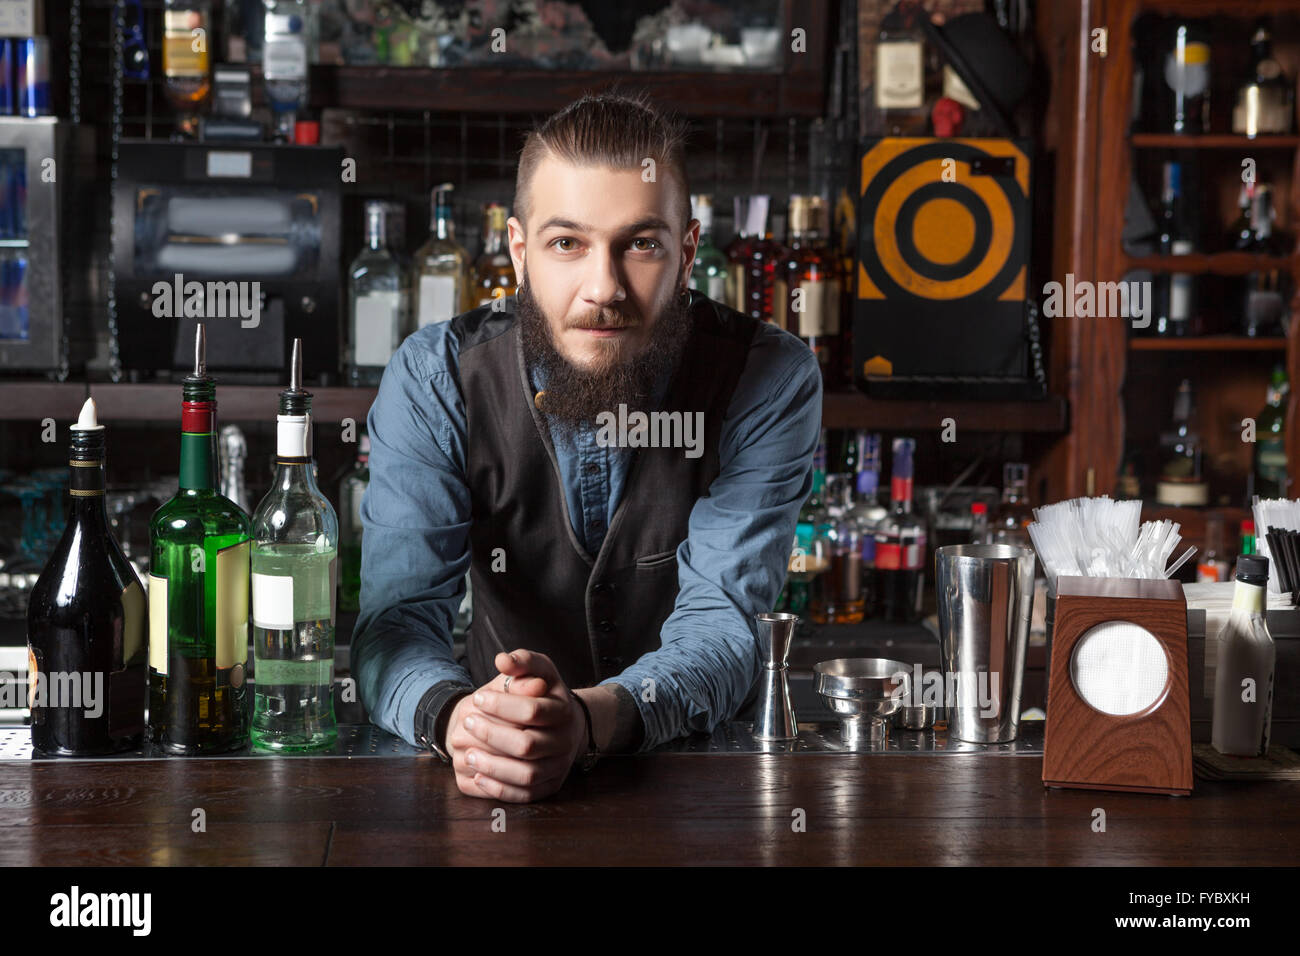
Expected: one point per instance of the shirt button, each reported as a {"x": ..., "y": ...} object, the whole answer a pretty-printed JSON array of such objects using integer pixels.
[
  {"x": 591, "y": 467},
  {"x": 604, "y": 587}
]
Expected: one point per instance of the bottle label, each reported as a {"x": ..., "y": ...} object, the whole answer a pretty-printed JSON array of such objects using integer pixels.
[
  {"x": 1272, "y": 459},
  {"x": 127, "y": 685},
  {"x": 1190, "y": 73},
  {"x": 180, "y": 58},
  {"x": 157, "y": 624},
  {"x": 284, "y": 58},
  {"x": 900, "y": 75},
  {"x": 273, "y": 601},
  {"x": 437, "y": 299},
  {"x": 232, "y": 610},
  {"x": 1248, "y": 597},
  {"x": 814, "y": 319},
  {"x": 34, "y": 664},
  {"x": 780, "y": 316},
  {"x": 377, "y": 321},
  {"x": 900, "y": 555}
]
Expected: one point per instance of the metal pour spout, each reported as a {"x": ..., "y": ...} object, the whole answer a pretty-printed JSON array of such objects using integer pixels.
[{"x": 200, "y": 351}]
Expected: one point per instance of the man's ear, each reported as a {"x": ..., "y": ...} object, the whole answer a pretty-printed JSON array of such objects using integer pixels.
[
  {"x": 516, "y": 243},
  {"x": 690, "y": 242}
]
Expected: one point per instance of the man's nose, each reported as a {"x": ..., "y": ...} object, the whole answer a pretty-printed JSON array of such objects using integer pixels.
[{"x": 603, "y": 285}]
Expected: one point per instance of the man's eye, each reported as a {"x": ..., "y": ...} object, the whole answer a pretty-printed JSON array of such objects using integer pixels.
[
  {"x": 557, "y": 242},
  {"x": 653, "y": 244}
]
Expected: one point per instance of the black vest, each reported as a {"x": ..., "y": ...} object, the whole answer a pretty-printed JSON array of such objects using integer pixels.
[{"x": 593, "y": 616}]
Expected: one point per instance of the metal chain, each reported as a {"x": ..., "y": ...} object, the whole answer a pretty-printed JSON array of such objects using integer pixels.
[
  {"x": 118, "y": 64},
  {"x": 74, "y": 62},
  {"x": 1035, "y": 344}
]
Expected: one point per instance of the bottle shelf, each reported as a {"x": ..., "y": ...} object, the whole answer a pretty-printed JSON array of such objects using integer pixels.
[
  {"x": 1212, "y": 141},
  {"x": 1208, "y": 343},
  {"x": 1217, "y": 263},
  {"x": 856, "y": 410},
  {"x": 33, "y": 401}
]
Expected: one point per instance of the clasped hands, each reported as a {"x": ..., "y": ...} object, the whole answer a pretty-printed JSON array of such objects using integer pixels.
[{"x": 516, "y": 744}]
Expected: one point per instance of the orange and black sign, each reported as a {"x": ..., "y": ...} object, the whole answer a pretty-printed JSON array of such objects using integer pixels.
[{"x": 943, "y": 254}]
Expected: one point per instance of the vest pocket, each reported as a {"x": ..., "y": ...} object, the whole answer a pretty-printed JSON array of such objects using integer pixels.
[{"x": 653, "y": 561}]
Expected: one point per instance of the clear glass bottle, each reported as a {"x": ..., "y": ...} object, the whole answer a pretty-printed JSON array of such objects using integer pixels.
[
  {"x": 810, "y": 555},
  {"x": 1265, "y": 304},
  {"x": 837, "y": 594},
  {"x": 494, "y": 270},
  {"x": 351, "y": 490},
  {"x": 288, "y": 29},
  {"x": 1011, "y": 525},
  {"x": 198, "y": 593},
  {"x": 709, "y": 273},
  {"x": 1243, "y": 679},
  {"x": 377, "y": 303},
  {"x": 1188, "y": 79},
  {"x": 868, "y": 512},
  {"x": 1264, "y": 103},
  {"x": 900, "y": 545},
  {"x": 187, "y": 60},
  {"x": 899, "y": 86},
  {"x": 1182, "y": 483},
  {"x": 441, "y": 266},
  {"x": 294, "y": 566},
  {"x": 979, "y": 523}
]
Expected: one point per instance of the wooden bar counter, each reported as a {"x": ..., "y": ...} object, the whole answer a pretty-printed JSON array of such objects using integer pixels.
[{"x": 388, "y": 805}]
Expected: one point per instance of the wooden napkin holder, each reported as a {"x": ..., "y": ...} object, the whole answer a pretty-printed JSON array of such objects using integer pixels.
[{"x": 1145, "y": 752}]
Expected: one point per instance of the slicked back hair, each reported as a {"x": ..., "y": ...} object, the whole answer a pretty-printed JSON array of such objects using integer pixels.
[{"x": 616, "y": 130}]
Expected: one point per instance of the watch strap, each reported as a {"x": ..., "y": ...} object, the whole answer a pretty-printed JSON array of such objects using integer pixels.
[{"x": 433, "y": 712}]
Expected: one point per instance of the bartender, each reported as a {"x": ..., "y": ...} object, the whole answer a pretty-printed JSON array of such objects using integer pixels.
[{"x": 617, "y": 460}]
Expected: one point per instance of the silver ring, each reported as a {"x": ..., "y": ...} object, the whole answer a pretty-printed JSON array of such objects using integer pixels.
[{"x": 507, "y": 687}]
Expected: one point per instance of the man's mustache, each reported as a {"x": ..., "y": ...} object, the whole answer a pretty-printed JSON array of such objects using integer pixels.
[{"x": 606, "y": 321}]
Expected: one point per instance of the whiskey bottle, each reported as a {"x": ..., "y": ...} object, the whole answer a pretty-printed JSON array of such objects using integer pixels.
[
  {"x": 198, "y": 593},
  {"x": 441, "y": 266},
  {"x": 900, "y": 545},
  {"x": 187, "y": 63},
  {"x": 494, "y": 270},
  {"x": 806, "y": 299}
]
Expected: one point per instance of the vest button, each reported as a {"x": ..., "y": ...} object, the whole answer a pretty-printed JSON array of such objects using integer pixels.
[
  {"x": 604, "y": 587},
  {"x": 609, "y": 663},
  {"x": 606, "y": 626}
]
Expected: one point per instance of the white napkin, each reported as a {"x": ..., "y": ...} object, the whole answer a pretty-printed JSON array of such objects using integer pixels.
[{"x": 1119, "y": 668}]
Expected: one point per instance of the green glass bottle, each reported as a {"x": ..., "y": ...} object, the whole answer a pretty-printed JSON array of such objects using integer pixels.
[
  {"x": 1270, "y": 440},
  {"x": 351, "y": 489},
  {"x": 294, "y": 565},
  {"x": 198, "y": 594},
  {"x": 709, "y": 274}
]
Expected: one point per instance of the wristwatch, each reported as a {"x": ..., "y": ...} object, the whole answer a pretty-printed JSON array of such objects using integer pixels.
[
  {"x": 433, "y": 712},
  {"x": 588, "y": 759}
]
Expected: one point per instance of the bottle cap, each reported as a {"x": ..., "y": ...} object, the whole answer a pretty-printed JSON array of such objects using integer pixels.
[
  {"x": 1252, "y": 566},
  {"x": 1248, "y": 526},
  {"x": 979, "y": 508},
  {"x": 306, "y": 132}
]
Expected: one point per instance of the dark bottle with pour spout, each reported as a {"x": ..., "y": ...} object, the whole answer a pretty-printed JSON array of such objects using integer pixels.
[{"x": 86, "y": 623}]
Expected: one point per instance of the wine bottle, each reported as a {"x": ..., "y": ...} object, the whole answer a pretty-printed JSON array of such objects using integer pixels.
[
  {"x": 900, "y": 545},
  {"x": 295, "y": 546},
  {"x": 1270, "y": 440},
  {"x": 86, "y": 614},
  {"x": 1182, "y": 483},
  {"x": 1174, "y": 293},
  {"x": 709, "y": 273},
  {"x": 1243, "y": 680},
  {"x": 198, "y": 593},
  {"x": 351, "y": 489},
  {"x": 1264, "y": 99}
]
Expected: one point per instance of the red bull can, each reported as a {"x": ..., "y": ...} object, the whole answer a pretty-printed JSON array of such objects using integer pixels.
[{"x": 33, "y": 69}]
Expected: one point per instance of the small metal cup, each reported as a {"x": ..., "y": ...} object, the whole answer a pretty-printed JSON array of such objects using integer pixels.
[{"x": 774, "y": 716}]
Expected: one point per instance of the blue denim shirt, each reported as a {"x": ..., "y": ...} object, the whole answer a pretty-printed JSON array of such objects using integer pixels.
[{"x": 732, "y": 565}]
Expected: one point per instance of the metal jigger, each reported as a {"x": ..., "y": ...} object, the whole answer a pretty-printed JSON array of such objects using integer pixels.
[{"x": 774, "y": 719}]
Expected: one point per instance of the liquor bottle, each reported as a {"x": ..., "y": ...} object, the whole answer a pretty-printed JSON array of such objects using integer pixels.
[
  {"x": 494, "y": 270},
  {"x": 377, "y": 299},
  {"x": 900, "y": 73},
  {"x": 1011, "y": 524},
  {"x": 868, "y": 512},
  {"x": 979, "y": 523},
  {"x": 754, "y": 260},
  {"x": 1243, "y": 680},
  {"x": 286, "y": 52},
  {"x": 806, "y": 296},
  {"x": 1187, "y": 76},
  {"x": 1211, "y": 566},
  {"x": 86, "y": 615},
  {"x": 1248, "y": 537},
  {"x": 441, "y": 264},
  {"x": 900, "y": 545},
  {"x": 198, "y": 593},
  {"x": 709, "y": 273},
  {"x": 1241, "y": 234},
  {"x": 187, "y": 62},
  {"x": 1264, "y": 103},
  {"x": 837, "y": 594},
  {"x": 1270, "y": 440},
  {"x": 737, "y": 253},
  {"x": 1175, "y": 292},
  {"x": 1265, "y": 311},
  {"x": 295, "y": 547},
  {"x": 351, "y": 489},
  {"x": 1181, "y": 481},
  {"x": 233, "y": 452},
  {"x": 810, "y": 555}
]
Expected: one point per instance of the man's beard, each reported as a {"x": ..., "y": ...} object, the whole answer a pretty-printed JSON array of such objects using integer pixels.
[{"x": 575, "y": 396}]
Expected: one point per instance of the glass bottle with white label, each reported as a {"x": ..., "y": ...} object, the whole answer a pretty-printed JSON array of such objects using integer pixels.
[
  {"x": 441, "y": 266},
  {"x": 286, "y": 51},
  {"x": 377, "y": 303},
  {"x": 709, "y": 273},
  {"x": 294, "y": 567}
]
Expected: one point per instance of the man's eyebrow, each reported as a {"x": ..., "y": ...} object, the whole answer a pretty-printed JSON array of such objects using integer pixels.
[{"x": 651, "y": 222}]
